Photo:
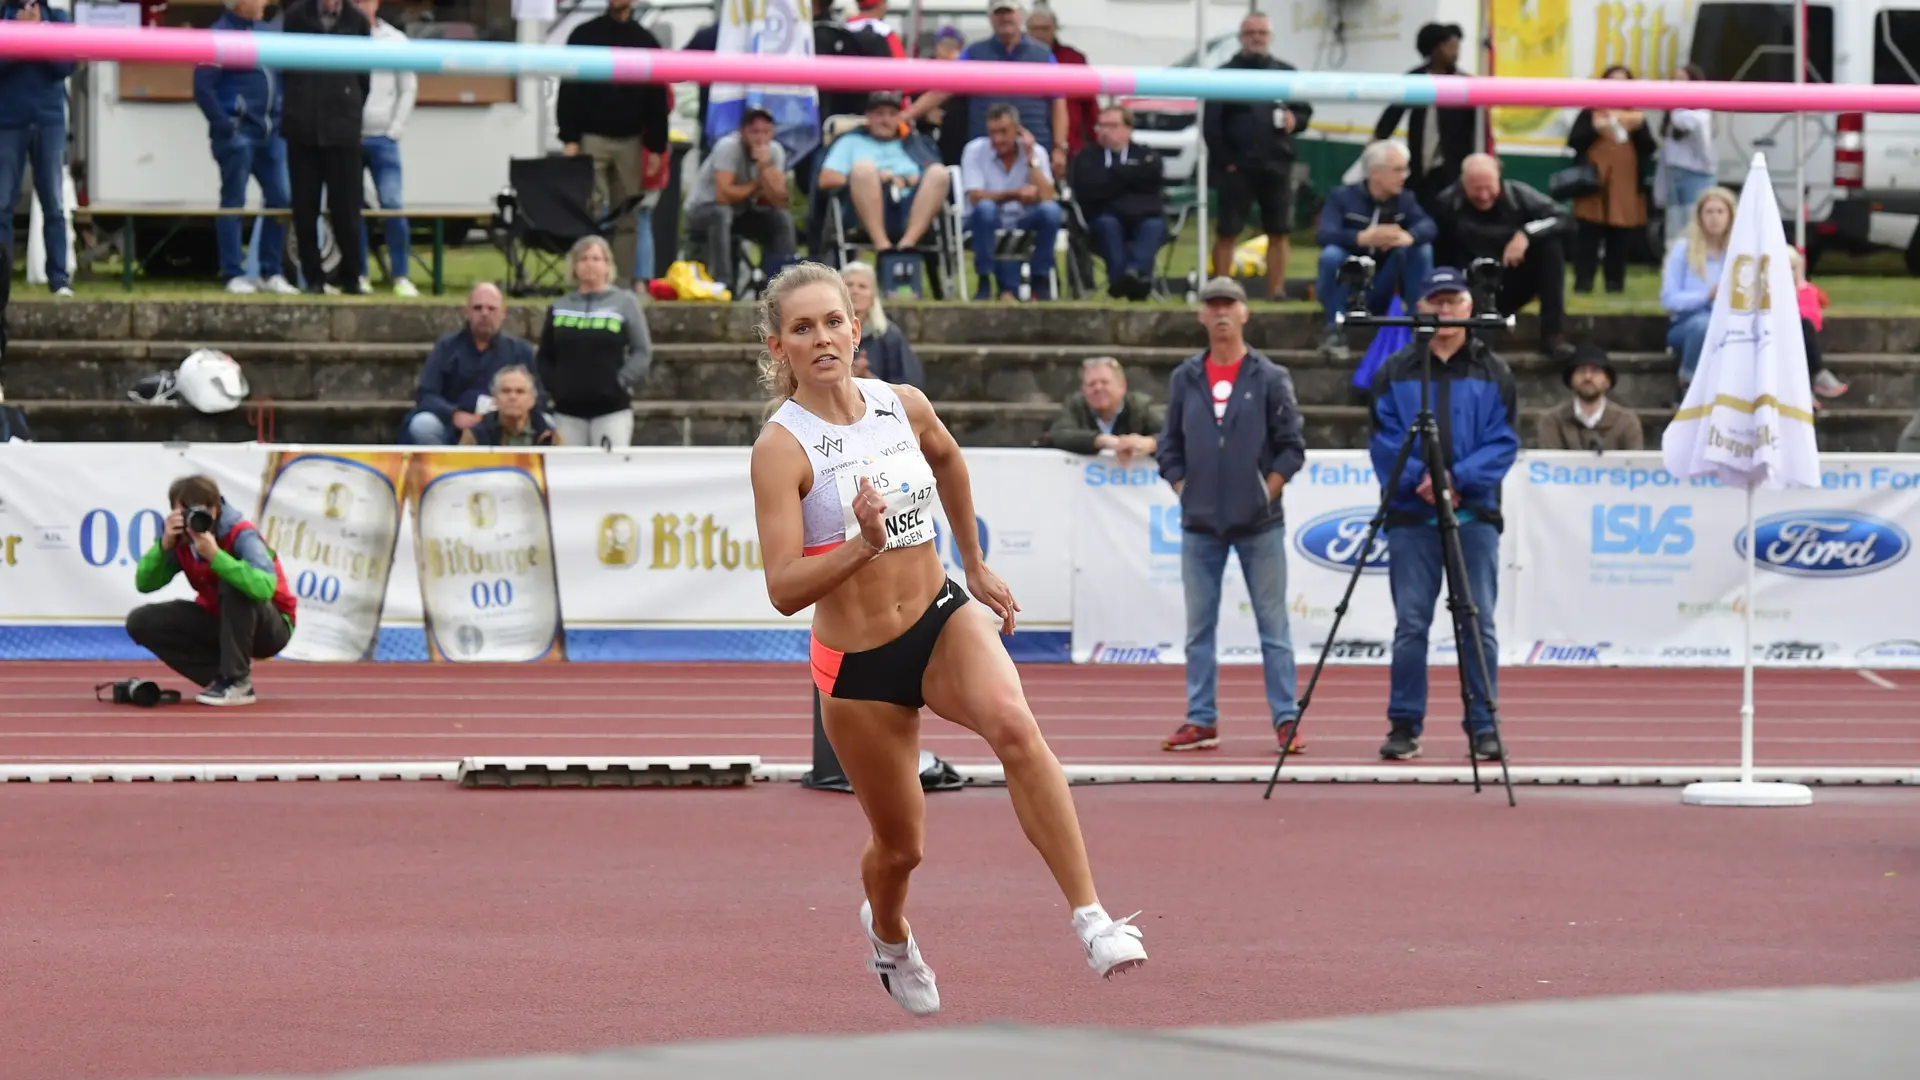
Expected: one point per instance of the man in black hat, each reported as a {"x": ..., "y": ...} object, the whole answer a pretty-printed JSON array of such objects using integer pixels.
[
  {"x": 1474, "y": 406},
  {"x": 1439, "y": 138},
  {"x": 1588, "y": 421},
  {"x": 1231, "y": 417}
]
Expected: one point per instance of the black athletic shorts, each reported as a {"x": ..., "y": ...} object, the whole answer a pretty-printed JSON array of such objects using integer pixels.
[
  {"x": 1269, "y": 185},
  {"x": 890, "y": 672}
]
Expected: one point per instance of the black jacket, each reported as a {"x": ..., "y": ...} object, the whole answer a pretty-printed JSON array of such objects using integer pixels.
[
  {"x": 1243, "y": 132},
  {"x": 322, "y": 108},
  {"x": 613, "y": 110},
  {"x": 1132, "y": 191},
  {"x": 1225, "y": 463},
  {"x": 1456, "y": 141},
  {"x": 1468, "y": 232}
]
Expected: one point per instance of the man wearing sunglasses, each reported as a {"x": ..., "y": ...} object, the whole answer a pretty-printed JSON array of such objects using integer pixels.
[{"x": 1473, "y": 403}]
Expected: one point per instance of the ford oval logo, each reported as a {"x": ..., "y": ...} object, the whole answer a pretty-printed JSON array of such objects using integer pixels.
[
  {"x": 1826, "y": 543},
  {"x": 1333, "y": 540}
]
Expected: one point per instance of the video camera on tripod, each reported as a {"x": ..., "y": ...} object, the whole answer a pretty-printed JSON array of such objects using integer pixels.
[{"x": 1482, "y": 279}]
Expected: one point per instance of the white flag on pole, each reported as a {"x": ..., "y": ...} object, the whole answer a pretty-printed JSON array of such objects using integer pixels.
[{"x": 1748, "y": 414}]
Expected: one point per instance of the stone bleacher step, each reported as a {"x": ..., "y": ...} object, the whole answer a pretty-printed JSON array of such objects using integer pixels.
[
  {"x": 735, "y": 422},
  {"x": 348, "y": 371}
]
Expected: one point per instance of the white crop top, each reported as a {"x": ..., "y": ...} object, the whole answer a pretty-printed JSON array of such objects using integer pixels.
[{"x": 879, "y": 446}]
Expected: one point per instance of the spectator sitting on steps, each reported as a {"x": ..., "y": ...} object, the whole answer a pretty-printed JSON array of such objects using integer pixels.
[
  {"x": 742, "y": 188},
  {"x": 1589, "y": 421},
  {"x": 594, "y": 351},
  {"x": 515, "y": 420},
  {"x": 243, "y": 109},
  {"x": 1484, "y": 216},
  {"x": 460, "y": 371},
  {"x": 883, "y": 352},
  {"x": 1104, "y": 416},
  {"x": 1378, "y": 218}
]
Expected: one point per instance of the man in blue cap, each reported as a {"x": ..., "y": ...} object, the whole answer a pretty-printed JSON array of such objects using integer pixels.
[{"x": 1473, "y": 404}]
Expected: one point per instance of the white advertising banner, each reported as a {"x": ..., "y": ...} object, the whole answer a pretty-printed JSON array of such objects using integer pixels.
[
  {"x": 1625, "y": 563},
  {"x": 652, "y": 554},
  {"x": 1130, "y": 606},
  {"x": 664, "y": 540}
]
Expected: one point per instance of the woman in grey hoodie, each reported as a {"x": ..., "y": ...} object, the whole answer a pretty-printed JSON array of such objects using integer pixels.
[{"x": 594, "y": 350}]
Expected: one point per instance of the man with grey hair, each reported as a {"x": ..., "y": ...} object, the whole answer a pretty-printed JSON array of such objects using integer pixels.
[
  {"x": 455, "y": 387},
  {"x": 516, "y": 419},
  {"x": 1377, "y": 218},
  {"x": 1103, "y": 416}
]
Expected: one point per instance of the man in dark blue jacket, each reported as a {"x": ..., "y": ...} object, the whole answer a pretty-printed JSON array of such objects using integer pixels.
[
  {"x": 1378, "y": 218},
  {"x": 1230, "y": 443},
  {"x": 460, "y": 371},
  {"x": 242, "y": 107},
  {"x": 1473, "y": 404},
  {"x": 33, "y": 126}
]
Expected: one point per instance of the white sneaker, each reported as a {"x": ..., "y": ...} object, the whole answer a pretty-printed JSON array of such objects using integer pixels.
[
  {"x": 240, "y": 286},
  {"x": 1113, "y": 945},
  {"x": 278, "y": 283},
  {"x": 403, "y": 287},
  {"x": 907, "y": 978},
  {"x": 65, "y": 292}
]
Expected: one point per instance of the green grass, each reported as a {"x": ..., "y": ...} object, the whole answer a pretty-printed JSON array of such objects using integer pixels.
[{"x": 1872, "y": 285}]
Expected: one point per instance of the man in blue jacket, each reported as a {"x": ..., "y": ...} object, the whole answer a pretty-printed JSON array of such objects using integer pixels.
[
  {"x": 1230, "y": 443},
  {"x": 460, "y": 372},
  {"x": 33, "y": 126},
  {"x": 242, "y": 107},
  {"x": 1378, "y": 218},
  {"x": 1473, "y": 405}
]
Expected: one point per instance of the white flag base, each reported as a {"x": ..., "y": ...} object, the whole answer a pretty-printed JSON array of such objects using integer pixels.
[{"x": 1746, "y": 793}]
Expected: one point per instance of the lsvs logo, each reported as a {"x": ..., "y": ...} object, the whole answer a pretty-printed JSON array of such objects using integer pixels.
[
  {"x": 1333, "y": 540},
  {"x": 1826, "y": 543},
  {"x": 1631, "y": 529}
]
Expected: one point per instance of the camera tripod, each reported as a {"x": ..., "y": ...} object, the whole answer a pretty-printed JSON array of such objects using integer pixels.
[{"x": 1425, "y": 428}]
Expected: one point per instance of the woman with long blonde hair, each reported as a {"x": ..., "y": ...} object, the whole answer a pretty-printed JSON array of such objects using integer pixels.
[
  {"x": 884, "y": 353},
  {"x": 1690, "y": 278},
  {"x": 844, "y": 479}
]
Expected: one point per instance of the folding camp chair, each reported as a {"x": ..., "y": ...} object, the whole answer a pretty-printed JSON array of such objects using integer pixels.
[{"x": 546, "y": 209}]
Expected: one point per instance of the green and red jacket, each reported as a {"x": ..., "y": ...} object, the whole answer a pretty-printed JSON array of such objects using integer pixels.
[{"x": 244, "y": 561}]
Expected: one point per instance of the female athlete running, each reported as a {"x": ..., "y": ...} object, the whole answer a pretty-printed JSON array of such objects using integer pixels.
[{"x": 844, "y": 478}]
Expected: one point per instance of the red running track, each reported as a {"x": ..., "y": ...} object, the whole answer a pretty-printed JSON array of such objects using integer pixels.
[
  {"x": 168, "y": 930},
  {"x": 1091, "y": 714}
]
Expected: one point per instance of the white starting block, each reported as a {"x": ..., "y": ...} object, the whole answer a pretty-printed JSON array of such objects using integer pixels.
[{"x": 606, "y": 772}]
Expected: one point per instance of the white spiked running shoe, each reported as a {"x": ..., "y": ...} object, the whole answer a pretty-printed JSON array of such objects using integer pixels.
[
  {"x": 1113, "y": 945},
  {"x": 906, "y": 977}
]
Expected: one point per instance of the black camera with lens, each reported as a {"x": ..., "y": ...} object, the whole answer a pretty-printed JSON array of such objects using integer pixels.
[
  {"x": 199, "y": 519},
  {"x": 1483, "y": 277}
]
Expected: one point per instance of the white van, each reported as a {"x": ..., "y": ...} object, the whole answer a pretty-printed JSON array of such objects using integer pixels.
[{"x": 1863, "y": 169}]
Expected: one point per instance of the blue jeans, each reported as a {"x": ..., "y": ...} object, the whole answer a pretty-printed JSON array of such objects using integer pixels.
[
  {"x": 1688, "y": 334},
  {"x": 1040, "y": 219},
  {"x": 642, "y": 246},
  {"x": 241, "y": 156},
  {"x": 1415, "y": 574},
  {"x": 45, "y": 145},
  {"x": 422, "y": 428},
  {"x": 1263, "y": 562},
  {"x": 1683, "y": 190},
  {"x": 382, "y": 157},
  {"x": 1122, "y": 255},
  {"x": 1403, "y": 272}
]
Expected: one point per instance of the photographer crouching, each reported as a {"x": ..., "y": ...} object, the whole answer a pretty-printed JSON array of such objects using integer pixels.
[
  {"x": 1473, "y": 402},
  {"x": 244, "y": 610}
]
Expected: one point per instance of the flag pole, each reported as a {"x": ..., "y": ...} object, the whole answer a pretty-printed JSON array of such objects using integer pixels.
[
  {"x": 1799, "y": 132},
  {"x": 1201, "y": 271},
  {"x": 1746, "y": 690}
]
